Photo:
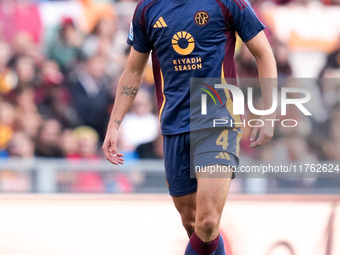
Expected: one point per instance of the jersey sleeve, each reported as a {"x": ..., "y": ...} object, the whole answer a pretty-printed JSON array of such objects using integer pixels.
[
  {"x": 137, "y": 35},
  {"x": 245, "y": 21}
]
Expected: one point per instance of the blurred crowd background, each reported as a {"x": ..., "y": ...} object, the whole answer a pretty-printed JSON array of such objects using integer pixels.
[{"x": 60, "y": 62}]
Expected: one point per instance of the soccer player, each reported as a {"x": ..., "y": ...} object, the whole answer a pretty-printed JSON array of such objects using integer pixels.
[{"x": 193, "y": 39}]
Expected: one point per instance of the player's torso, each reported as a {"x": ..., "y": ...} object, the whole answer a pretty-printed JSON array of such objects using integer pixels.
[
  {"x": 188, "y": 36},
  {"x": 189, "y": 39}
]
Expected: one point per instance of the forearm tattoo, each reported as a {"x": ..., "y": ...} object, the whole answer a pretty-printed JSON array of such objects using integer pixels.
[
  {"x": 117, "y": 121},
  {"x": 129, "y": 91}
]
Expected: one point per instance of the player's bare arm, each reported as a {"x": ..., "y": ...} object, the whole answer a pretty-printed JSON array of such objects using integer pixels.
[
  {"x": 127, "y": 90},
  {"x": 261, "y": 50}
]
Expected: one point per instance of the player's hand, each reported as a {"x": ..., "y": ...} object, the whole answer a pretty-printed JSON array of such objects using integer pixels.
[
  {"x": 110, "y": 147},
  {"x": 266, "y": 132}
]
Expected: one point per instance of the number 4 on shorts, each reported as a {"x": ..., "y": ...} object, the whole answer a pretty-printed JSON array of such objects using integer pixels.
[{"x": 223, "y": 139}]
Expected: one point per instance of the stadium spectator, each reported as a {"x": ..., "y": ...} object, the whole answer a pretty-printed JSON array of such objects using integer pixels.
[
  {"x": 20, "y": 16},
  {"x": 65, "y": 47},
  {"x": 29, "y": 124},
  {"x": 49, "y": 76},
  {"x": 333, "y": 59},
  {"x": 22, "y": 76},
  {"x": 68, "y": 143},
  {"x": 87, "y": 140},
  {"x": 87, "y": 148},
  {"x": 140, "y": 124},
  {"x": 7, "y": 76},
  {"x": 47, "y": 141},
  {"x": 245, "y": 64},
  {"x": 91, "y": 94},
  {"x": 103, "y": 41},
  {"x": 96, "y": 42},
  {"x": 7, "y": 122},
  {"x": 25, "y": 70},
  {"x": 24, "y": 45},
  {"x": 330, "y": 87},
  {"x": 53, "y": 98},
  {"x": 329, "y": 74},
  {"x": 7, "y": 114},
  {"x": 69, "y": 146},
  {"x": 24, "y": 102},
  {"x": 151, "y": 150},
  {"x": 331, "y": 144},
  {"x": 293, "y": 149},
  {"x": 21, "y": 146},
  {"x": 281, "y": 52}
]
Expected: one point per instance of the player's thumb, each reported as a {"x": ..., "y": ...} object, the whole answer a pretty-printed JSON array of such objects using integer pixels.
[
  {"x": 107, "y": 147},
  {"x": 253, "y": 133}
]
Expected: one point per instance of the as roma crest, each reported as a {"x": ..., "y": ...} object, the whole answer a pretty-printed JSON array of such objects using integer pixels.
[{"x": 201, "y": 18}]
